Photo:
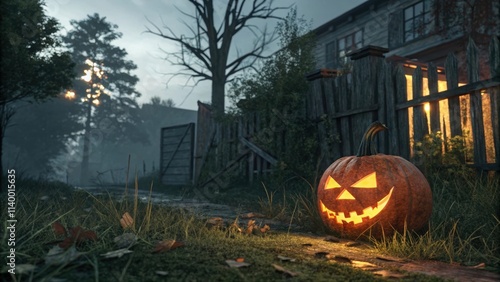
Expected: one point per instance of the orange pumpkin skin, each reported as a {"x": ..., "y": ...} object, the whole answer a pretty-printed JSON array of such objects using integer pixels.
[{"x": 353, "y": 203}]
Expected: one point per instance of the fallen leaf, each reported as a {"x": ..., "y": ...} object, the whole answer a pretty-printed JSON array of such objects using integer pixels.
[
  {"x": 81, "y": 235},
  {"x": 126, "y": 221},
  {"x": 282, "y": 258},
  {"x": 252, "y": 215},
  {"x": 117, "y": 253},
  {"x": 162, "y": 273},
  {"x": 58, "y": 255},
  {"x": 240, "y": 259},
  {"x": 25, "y": 268},
  {"x": 363, "y": 264},
  {"x": 126, "y": 240},
  {"x": 481, "y": 265},
  {"x": 388, "y": 274},
  {"x": 265, "y": 228},
  {"x": 59, "y": 229},
  {"x": 332, "y": 239},
  {"x": 353, "y": 244},
  {"x": 167, "y": 245},
  {"x": 234, "y": 263},
  {"x": 285, "y": 271}
]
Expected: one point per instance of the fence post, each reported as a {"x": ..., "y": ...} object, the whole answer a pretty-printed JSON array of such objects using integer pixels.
[{"x": 366, "y": 91}]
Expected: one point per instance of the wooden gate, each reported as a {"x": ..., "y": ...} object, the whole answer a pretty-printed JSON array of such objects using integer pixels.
[{"x": 176, "y": 154}]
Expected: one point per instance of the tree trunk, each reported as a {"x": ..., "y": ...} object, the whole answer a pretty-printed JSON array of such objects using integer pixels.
[
  {"x": 218, "y": 95},
  {"x": 84, "y": 168}
]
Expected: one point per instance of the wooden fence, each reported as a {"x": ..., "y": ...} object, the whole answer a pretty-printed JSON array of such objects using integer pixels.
[
  {"x": 408, "y": 97},
  {"x": 379, "y": 90}
]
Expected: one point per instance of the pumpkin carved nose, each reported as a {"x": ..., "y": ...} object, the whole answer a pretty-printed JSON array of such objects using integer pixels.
[{"x": 345, "y": 195}]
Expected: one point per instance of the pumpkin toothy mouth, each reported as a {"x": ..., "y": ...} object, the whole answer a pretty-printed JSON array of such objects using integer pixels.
[{"x": 353, "y": 216}]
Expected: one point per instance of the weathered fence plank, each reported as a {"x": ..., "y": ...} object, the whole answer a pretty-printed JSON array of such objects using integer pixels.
[
  {"x": 420, "y": 128},
  {"x": 476, "y": 106},
  {"x": 451, "y": 67},
  {"x": 402, "y": 114},
  {"x": 432, "y": 78}
]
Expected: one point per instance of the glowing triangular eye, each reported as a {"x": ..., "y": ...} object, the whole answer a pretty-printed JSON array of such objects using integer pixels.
[
  {"x": 331, "y": 183},
  {"x": 345, "y": 195},
  {"x": 369, "y": 181}
]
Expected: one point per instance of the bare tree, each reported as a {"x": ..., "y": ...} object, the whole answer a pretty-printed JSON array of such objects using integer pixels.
[{"x": 205, "y": 53}]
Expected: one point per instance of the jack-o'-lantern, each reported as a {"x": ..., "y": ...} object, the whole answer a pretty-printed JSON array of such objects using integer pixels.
[{"x": 373, "y": 194}]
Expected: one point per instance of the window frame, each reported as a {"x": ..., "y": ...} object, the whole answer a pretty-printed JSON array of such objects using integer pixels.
[
  {"x": 417, "y": 20},
  {"x": 341, "y": 52}
]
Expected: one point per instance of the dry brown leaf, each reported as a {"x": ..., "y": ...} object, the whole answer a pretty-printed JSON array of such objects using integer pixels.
[
  {"x": 167, "y": 245},
  {"x": 252, "y": 215},
  {"x": 234, "y": 263},
  {"x": 283, "y": 258},
  {"x": 480, "y": 266},
  {"x": 126, "y": 221},
  {"x": 240, "y": 259},
  {"x": 265, "y": 228},
  {"x": 285, "y": 271},
  {"x": 59, "y": 229},
  {"x": 77, "y": 235}
]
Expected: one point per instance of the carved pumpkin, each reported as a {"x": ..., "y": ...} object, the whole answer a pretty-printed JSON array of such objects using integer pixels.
[{"x": 372, "y": 193}]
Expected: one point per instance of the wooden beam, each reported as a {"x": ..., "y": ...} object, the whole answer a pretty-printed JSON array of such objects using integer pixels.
[
  {"x": 258, "y": 151},
  {"x": 228, "y": 166},
  {"x": 459, "y": 91}
]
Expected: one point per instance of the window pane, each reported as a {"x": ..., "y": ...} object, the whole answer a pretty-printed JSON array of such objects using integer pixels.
[
  {"x": 408, "y": 13},
  {"x": 358, "y": 37},
  {"x": 419, "y": 8},
  {"x": 341, "y": 44},
  {"x": 427, "y": 5}
]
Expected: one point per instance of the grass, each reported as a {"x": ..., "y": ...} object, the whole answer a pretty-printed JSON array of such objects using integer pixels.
[
  {"x": 464, "y": 226},
  {"x": 40, "y": 204}
]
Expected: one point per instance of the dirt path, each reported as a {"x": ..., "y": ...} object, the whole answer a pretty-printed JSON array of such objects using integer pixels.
[{"x": 356, "y": 254}]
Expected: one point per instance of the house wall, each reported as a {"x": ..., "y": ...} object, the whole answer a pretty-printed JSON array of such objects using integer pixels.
[{"x": 382, "y": 24}]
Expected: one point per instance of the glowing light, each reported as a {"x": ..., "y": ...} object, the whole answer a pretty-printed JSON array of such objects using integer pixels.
[
  {"x": 353, "y": 216},
  {"x": 369, "y": 181},
  {"x": 427, "y": 107},
  {"x": 331, "y": 183},
  {"x": 70, "y": 95},
  {"x": 96, "y": 102},
  {"x": 345, "y": 195}
]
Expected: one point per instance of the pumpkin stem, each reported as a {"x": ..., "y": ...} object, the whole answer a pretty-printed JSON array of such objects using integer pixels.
[{"x": 367, "y": 148}]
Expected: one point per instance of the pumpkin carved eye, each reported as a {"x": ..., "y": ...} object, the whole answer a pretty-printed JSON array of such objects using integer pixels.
[
  {"x": 369, "y": 181},
  {"x": 331, "y": 183}
]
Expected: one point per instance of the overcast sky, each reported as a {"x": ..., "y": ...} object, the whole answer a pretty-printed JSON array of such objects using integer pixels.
[{"x": 144, "y": 48}]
